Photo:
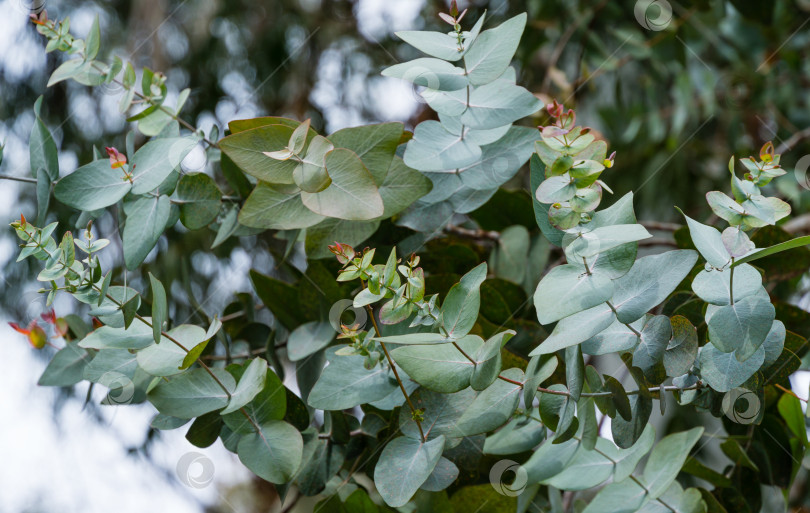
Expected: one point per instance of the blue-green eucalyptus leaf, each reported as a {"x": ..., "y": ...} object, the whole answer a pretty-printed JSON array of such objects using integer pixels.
[
  {"x": 723, "y": 371},
  {"x": 274, "y": 454},
  {"x": 431, "y": 73},
  {"x": 550, "y": 459},
  {"x": 624, "y": 497},
  {"x": 709, "y": 243},
  {"x": 576, "y": 329},
  {"x": 404, "y": 465},
  {"x": 492, "y": 52},
  {"x": 492, "y": 407},
  {"x": 440, "y": 44},
  {"x": 309, "y": 338},
  {"x": 497, "y": 104},
  {"x": 443, "y": 475},
  {"x": 200, "y": 200},
  {"x": 269, "y": 208},
  {"x": 311, "y": 174},
  {"x": 433, "y": 148},
  {"x": 109, "y": 365},
  {"x": 556, "y": 189},
  {"x": 686, "y": 501},
  {"x": 736, "y": 242},
  {"x": 774, "y": 343},
  {"x": 519, "y": 435},
  {"x": 374, "y": 144},
  {"x": 714, "y": 286},
  {"x": 345, "y": 383},
  {"x": 460, "y": 307},
  {"x": 653, "y": 342},
  {"x": 537, "y": 175},
  {"x": 416, "y": 339},
  {"x": 159, "y": 307},
  {"x": 682, "y": 350},
  {"x": 500, "y": 160},
  {"x": 567, "y": 290},
  {"x": 488, "y": 360},
  {"x": 166, "y": 358},
  {"x": 352, "y": 195},
  {"x": 441, "y": 368},
  {"x": 402, "y": 187},
  {"x": 146, "y": 218},
  {"x": 508, "y": 259},
  {"x": 92, "y": 186},
  {"x": 249, "y": 385},
  {"x": 192, "y": 393},
  {"x": 66, "y": 368},
  {"x": 627, "y": 432},
  {"x": 628, "y": 459},
  {"x": 269, "y": 404},
  {"x": 42, "y": 148},
  {"x": 741, "y": 327},
  {"x": 588, "y": 468},
  {"x": 666, "y": 460},
  {"x": 617, "y": 337},
  {"x": 441, "y": 413},
  {"x": 247, "y": 148},
  {"x": 649, "y": 282},
  {"x": 539, "y": 369},
  {"x": 155, "y": 160},
  {"x": 726, "y": 208},
  {"x": 138, "y": 336},
  {"x": 587, "y": 243}
]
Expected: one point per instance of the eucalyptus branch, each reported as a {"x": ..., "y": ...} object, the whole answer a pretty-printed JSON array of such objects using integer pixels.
[
  {"x": 167, "y": 111},
  {"x": 198, "y": 360},
  {"x": 415, "y": 414},
  {"x": 19, "y": 179},
  {"x": 635, "y": 331},
  {"x": 631, "y": 476}
]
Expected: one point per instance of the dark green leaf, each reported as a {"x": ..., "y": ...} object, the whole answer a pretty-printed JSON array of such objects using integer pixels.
[{"x": 199, "y": 199}]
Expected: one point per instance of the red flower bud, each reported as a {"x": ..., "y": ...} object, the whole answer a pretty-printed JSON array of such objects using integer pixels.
[
  {"x": 117, "y": 159},
  {"x": 766, "y": 152},
  {"x": 343, "y": 252},
  {"x": 554, "y": 110},
  {"x": 36, "y": 335},
  {"x": 49, "y": 317}
]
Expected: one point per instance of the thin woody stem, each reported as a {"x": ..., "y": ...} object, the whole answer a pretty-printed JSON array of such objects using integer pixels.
[
  {"x": 396, "y": 375},
  {"x": 173, "y": 340},
  {"x": 18, "y": 179}
]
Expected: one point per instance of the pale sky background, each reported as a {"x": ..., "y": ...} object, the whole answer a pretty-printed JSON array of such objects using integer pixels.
[{"x": 72, "y": 463}]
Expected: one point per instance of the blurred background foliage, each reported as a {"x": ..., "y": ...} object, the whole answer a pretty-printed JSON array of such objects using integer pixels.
[{"x": 722, "y": 78}]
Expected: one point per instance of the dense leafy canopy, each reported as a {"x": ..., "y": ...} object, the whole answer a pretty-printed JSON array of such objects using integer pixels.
[{"x": 437, "y": 369}]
